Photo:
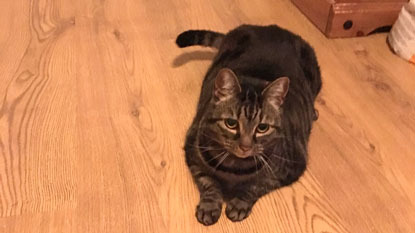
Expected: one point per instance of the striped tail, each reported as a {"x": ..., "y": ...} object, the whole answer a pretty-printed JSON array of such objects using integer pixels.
[{"x": 200, "y": 37}]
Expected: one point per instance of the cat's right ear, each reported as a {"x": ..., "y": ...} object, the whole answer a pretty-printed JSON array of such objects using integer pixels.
[
  {"x": 226, "y": 85},
  {"x": 274, "y": 94}
]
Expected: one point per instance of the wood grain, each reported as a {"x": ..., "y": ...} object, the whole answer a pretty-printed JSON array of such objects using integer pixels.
[{"x": 96, "y": 99}]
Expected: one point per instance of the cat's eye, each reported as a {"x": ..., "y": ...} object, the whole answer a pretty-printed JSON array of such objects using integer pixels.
[
  {"x": 231, "y": 123},
  {"x": 262, "y": 128}
]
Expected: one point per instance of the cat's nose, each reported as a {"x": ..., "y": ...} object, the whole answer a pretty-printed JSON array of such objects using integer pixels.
[
  {"x": 245, "y": 143},
  {"x": 245, "y": 148}
]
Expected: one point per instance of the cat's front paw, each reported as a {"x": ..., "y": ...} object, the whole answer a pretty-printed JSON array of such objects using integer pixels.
[
  {"x": 208, "y": 212},
  {"x": 238, "y": 210}
]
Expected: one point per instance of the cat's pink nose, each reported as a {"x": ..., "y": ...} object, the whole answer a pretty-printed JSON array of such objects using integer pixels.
[{"x": 245, "y": 148}]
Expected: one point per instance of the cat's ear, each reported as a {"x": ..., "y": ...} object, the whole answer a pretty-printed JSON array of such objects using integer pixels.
[
  {"x": 226, "y": 85},
  {"x": 276, "y": 91}
]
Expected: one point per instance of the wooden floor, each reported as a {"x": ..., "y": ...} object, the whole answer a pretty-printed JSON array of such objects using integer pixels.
[{"x": 95, "y": 100}]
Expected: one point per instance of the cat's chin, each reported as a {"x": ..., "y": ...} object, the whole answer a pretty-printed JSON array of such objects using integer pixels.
[{"x": 242, "y": 156}]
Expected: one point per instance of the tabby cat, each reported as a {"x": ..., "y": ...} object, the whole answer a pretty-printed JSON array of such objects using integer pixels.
[{"x": 254, "y": 117}]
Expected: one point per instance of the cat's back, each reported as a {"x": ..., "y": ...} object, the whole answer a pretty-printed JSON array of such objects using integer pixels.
[
  {"x": 254, "y": 38},
  {"x": 270, "y": 33},
  {"x": 269, "y": 51}
]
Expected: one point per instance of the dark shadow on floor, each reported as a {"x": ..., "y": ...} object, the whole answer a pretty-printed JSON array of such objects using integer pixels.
[{"x": 195, "y": 55}]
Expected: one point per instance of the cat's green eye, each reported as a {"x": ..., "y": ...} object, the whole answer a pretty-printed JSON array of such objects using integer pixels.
[
  {"x": 231, "y": 123},
  {"x": 262, "y": 128}
]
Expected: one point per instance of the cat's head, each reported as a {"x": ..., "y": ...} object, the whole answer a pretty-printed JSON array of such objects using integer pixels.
[{"x": 245, "y": 121}]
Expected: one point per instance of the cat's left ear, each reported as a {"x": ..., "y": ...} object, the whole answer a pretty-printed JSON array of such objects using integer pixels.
[{"x": 275, "y": 92}]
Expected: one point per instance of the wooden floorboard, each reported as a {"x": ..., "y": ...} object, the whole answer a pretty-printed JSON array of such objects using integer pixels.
[{"x": 95, "y": 100}]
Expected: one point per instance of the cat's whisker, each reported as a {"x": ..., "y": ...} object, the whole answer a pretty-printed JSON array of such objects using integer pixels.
[
  {"x": 210, "y": 138},
  {"x": 209, "y": 149},
  {"x": 256, "y": 165},
  {"x": 203, "y": 147},
  {"x": 285, "y": 159},
  {"x": 221, "y": 161},
  {"x": 272, "y": 162},
  {"x": 266, "y": 164},
  {"x": 217, "y": 156}
]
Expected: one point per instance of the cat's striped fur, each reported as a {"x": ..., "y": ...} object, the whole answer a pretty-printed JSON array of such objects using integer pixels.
[
  {"x": 244, "y": 85},
  {"x": 200, "y": 37}
]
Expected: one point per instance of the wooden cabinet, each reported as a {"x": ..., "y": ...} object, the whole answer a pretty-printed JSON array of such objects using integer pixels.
[{"x": 350, "y": 18}]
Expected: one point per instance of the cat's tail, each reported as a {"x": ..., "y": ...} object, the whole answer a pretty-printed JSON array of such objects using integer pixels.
[{"x": 200, "y": 37}]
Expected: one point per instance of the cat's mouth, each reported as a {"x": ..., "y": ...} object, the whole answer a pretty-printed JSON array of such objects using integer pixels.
[
  {"x": 243, "y": 154},
  {"x": 228, "y": 161}
]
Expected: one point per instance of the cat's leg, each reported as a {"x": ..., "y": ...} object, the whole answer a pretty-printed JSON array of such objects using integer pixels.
[
  {"x": 209, "y": 208},
  {"x": 240, "y": 207}
]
